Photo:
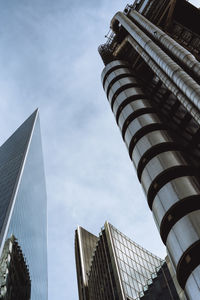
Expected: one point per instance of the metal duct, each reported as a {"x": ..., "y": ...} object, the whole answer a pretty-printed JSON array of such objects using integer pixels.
[
  {"x": 162, "y": 76},
  {"x": 179, "y": 52},
  {"x": 180, "y": 78}
]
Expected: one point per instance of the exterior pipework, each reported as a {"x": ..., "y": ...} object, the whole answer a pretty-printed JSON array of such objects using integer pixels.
[
  {"x": 169, "y": 181},
  {"x": 162, "y": 76},
  {"x": 179, "y": 52},
  {"x": 181, "y": 79}
]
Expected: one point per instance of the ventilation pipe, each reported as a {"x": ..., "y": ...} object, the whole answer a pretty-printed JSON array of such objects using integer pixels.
[
  {"x": 180, "y": 78},
  {"x": 179, "y": 52},
  {"x": 162, "y": 76}
]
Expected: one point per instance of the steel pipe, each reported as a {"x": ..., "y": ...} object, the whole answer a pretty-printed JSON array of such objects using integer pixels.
[
  {"x": 180, "y": 78},
  {"x": 174, "y": 48},
  {"x": 163, "y": 77}
]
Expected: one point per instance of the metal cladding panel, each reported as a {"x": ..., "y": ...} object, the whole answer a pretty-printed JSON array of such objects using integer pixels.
[
  {"x": 126, "y": 96},
  {"x": 140, "y": 123},
  {"x": 177, "y": 243},
  {"x": 87, "y": 244},
  {"x": 119, "y": 86},
  {"x": 173, "y": 200},
  {"x": 192, "y": 287},
  {"x": 29, "y": 216},
  {"x": 148, "y": 142},
  {"x": 79, "y": 274},
  {"x": 184, "y": 248},
  {"x": 134, "y": 107},
  {"x": 109, "y": 67},
  {"x": 114, "y": 76},
  {"x": 160, "y": 164}
]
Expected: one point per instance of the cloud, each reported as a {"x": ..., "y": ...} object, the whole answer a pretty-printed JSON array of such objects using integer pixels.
[{"x": 49, "y": 59}]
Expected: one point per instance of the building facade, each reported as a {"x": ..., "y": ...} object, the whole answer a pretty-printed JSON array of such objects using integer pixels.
[
  {"x": 15, "y": 279},
  {"x": 120, "y": 269},
  {"x": 85, "y": 243},
  {"x": 151, "y": 79},
  {"x": 23, "y": 215}
]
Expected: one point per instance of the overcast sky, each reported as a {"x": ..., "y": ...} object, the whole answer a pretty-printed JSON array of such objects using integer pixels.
[{"x": 49, "y": 59}]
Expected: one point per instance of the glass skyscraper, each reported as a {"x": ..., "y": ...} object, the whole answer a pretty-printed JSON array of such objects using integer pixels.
[
  {"x": 112, "y": 266},
  {"x": 23, "y": 203}
]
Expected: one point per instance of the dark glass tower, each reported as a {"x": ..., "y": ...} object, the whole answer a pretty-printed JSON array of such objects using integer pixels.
[
  {"x": 152, "y": 82},
  {"x": 23, "y": 212},
  {"x": 119, "y": 269}
]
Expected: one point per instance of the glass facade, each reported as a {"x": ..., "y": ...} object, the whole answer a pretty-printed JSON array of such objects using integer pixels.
[
  {"x": 137, "y": 266},
  {"x": 121, "y": 269},
  {"x": 12, "y": 154},
  {"x": 25, "y": 210},
  {"x": 102, "y": 283}
]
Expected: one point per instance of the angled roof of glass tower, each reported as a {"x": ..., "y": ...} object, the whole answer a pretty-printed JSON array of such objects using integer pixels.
[
  {"x": 137, "y": 266},
  {"x": 22, "y": 192},
  {"x": 120, "y": 269},
  {"x": 12, "y": 154}
]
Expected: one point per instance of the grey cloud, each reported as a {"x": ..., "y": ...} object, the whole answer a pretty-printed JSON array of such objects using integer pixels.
[{"x": 49, "y": 59}]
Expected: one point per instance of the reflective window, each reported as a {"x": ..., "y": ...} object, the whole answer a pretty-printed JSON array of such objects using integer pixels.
[
  {"x": 28, "y": 221},
  {"x": 136, "y": 264}
]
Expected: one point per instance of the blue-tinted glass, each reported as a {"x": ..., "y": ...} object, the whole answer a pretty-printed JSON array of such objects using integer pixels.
[
  {"x": 136, "y": 264},
  {"x": 28, "y": 220},
  {"x": 11, "y": 158}
]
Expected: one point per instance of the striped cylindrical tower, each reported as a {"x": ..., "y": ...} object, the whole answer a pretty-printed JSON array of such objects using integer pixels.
[{"x": 170, "y": 182}]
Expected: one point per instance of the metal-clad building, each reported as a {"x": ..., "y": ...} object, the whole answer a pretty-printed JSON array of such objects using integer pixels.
[
  {"x": 85, "y": 243},
  {"x": 151, "y": 79}
]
